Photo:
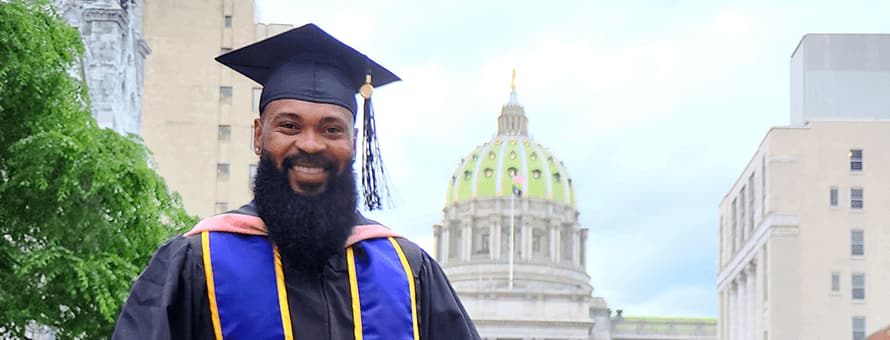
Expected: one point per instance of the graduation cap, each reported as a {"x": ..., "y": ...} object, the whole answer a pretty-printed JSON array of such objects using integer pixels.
[{"x": 306, "y": 63}]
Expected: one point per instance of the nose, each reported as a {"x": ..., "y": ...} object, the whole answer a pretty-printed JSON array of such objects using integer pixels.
[{"x": 310, "y": 142}]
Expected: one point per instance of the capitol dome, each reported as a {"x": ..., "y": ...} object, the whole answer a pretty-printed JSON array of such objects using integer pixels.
[
  {"x": 511, "y": 158},
  {"x": 510, "y": 241}
]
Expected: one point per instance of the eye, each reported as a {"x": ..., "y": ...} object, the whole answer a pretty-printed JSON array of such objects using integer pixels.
[
  {"x": 288, "y": 125},
  {"x": 333, "y": 130}
]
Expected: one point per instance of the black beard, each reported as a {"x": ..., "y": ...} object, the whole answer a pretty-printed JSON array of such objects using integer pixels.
[{"x": 307, "y": 230}]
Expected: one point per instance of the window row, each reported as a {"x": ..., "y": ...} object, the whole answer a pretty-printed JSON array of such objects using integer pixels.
[
  {"x": 512, "y": 172},
  {"x": 857, "y": 197},
  {"x": 222, "y": 173},
  {"x": 225, "y": 93},
  {"x": 857, "y": 285}
]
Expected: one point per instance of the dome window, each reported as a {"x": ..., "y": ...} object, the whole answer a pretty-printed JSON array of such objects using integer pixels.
[
  {"x": 475, "y": 157},
  {"x": 534, "y": 156},
  {"x": 512, "y": 154},
  {"x": 488, "y": 172},
  {"x": 467, "y": 175},
  {"x": 453, "y": 179},
  {"x": 511, "y": 172},
  {"x": 492, "y": 155},
  {"x": 570, "y": 181},
  {"x": 556, "y": 177},
  {"x": 525, "y": 141},
  {"x": 536, "y": 174},
  {"x": 512, "y": 141},
  {"x": 550, "y": 159},
  {"x": 498, "y": 141}
]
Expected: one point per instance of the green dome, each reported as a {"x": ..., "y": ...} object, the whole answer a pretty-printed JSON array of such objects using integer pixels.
[{"x": 488, "y": 171}]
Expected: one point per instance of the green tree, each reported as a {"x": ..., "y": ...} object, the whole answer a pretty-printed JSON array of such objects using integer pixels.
[{"x": 81, "y": 210}]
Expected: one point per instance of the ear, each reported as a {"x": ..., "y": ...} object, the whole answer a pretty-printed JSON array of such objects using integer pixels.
[{"x": 258, "y": 136}]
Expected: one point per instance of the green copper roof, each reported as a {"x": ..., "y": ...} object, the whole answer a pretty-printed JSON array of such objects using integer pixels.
[{"x": 488, "y": 171}]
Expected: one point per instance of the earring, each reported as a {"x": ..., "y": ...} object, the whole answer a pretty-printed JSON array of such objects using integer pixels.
[{"x": 257, "y": 150}]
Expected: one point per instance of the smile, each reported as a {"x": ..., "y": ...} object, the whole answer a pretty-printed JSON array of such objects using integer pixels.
[{"x": 307, "y": 170}]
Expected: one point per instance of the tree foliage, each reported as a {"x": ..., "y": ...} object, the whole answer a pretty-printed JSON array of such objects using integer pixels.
[{"x": 81, "y": 210}]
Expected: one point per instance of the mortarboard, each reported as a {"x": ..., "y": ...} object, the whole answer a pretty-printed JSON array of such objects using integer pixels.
[{"x": 306, "y": 63}]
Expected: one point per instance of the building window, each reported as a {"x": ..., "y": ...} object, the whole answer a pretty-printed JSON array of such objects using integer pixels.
[
  {"x": 511, "y": 172},
  {"x": 488, "y": 172},
  {"x": 222, "y": 207},
  {"x": 257, "y": 93},
  {"x": 536, "y": 174},
  {"x": 484, "y": 245},
  {"x": 751, "y": 225},
  {"x": 743, "y": 215},
  {"x": 251, "y": 143},
  {"x": 467, "y": 175},
  {"x": 857, "y": 242},
  {"x": 832, "y": 197},
  {"x": 222, "y": 172},
  {"x": 492, "y": 155},
  {"x": 855, "y": 159},
  {"x": 857, "y": 199},
  {"x": 556, "y": 177},
  {"x": 225, "y": 133},
  {"x": 835, "y": 282},
  {"x": 858, "y": 284},
  {"x": 228, "y": 20},
  {"x": 512, "y": 154},
  {"x": 858, "y": 328},
  {"x": 225, "y": 94},
  {"x": 252, "y": 173},
  {"x": 534, "y": 155},
  {"x": 736, "y": 235}
]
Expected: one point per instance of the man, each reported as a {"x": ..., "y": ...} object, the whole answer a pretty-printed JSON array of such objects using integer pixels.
[{"x": 299, "y": 262}]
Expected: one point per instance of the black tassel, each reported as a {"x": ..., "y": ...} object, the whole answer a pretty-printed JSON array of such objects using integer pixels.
[{"x": 374, "y": 186}]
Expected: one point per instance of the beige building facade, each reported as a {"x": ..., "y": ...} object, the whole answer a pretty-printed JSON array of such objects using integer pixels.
[
  {"x": 197, "y": 114},
  {"x": 804, "y": 233}
]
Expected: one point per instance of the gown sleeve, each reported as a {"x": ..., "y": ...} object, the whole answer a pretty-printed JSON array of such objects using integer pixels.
[
  {"x": 168, "y": 301},
  {"x": 442, "y": 316}
]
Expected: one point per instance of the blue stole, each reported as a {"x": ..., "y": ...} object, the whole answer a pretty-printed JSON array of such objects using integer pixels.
[{"x": 248, "y": 297}]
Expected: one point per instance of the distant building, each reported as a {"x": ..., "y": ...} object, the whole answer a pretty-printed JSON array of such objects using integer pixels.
[
  {"x": 199, "y": 115},
  {"x": 655, "y": 328},
  {"x": 113, "y": 60},
  {"x": 804, "y": 239},
  {"x": 543, "y": 291}
]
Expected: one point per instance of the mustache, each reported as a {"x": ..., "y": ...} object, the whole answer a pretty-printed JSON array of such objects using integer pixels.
[{"x": 313, "y": 160}]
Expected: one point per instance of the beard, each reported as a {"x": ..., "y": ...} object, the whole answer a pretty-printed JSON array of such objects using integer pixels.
[{"x": 307, "y": 230}]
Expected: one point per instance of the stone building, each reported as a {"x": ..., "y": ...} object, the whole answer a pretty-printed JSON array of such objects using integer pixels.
[
  {"x": 512, "y": 246},
  {"x": 114, "y": 58},
  {"x": 804, "y": 233},
  {"x": 541, "y": 289},
  {"x": 199, "y": 114}
]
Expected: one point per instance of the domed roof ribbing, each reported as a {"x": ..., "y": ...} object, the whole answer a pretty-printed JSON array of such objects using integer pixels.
[{"x": 489, "y": 170}]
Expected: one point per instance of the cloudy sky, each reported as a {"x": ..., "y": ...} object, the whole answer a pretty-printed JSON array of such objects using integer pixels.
[{"x": 654, "y": 106}]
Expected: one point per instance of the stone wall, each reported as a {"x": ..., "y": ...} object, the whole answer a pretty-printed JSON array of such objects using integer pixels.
[{"x": 113, "y": 60}]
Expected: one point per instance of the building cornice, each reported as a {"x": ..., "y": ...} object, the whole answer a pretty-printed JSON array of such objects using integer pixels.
[{"x": 777, "y": 223}]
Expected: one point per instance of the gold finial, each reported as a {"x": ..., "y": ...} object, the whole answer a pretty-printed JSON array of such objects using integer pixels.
[{"x": 513, "y": 81}]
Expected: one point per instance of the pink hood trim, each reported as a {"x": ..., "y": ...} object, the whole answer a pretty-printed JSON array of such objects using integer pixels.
[{"x": 252, "y": 225}]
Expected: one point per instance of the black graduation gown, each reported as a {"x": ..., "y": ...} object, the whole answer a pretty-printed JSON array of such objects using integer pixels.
[{"x": 169, "y": 299}]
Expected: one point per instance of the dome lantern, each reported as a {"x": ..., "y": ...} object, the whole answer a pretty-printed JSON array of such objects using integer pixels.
[{"x": 512, "y": 121}]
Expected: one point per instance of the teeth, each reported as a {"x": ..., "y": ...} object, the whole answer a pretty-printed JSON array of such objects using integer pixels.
[{"x": 307, "y": 170}]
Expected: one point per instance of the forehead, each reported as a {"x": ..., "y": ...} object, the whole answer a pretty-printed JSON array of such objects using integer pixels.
[{"x": 306, "y": 110}]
